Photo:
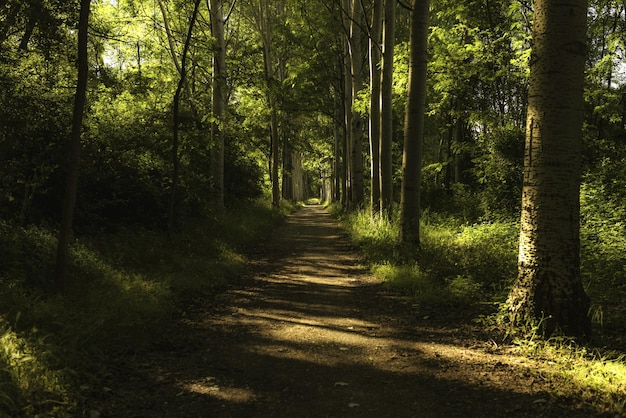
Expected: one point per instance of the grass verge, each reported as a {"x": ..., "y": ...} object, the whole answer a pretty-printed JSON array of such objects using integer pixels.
[
  {"x": 469, "y": 268},
  {"x": 120, "y": 288}
]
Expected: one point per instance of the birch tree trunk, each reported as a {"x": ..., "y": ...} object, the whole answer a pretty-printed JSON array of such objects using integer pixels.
[
  {"x": 548, "y": 292},
  {"x": 264, "y": 25},
  {"x": 347, "y": 110},
  {"x": 414, "y": 125}
]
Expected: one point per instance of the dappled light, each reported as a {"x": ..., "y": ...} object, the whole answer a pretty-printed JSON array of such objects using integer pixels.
[
  {"x": 312, "y": 208},
  {"x": 310, "y": 333}
]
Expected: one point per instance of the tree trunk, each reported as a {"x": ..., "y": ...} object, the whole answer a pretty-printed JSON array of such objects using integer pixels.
[
  {"x": 176, "y": 122},
  {"x": 172, "y": 49},
  {"x": 264, "y": 26},
  {"x": 288, "y": 172},
  {"x": 338, "y": 174},
  {"x": 414, "y": 125},
  {"x": 356, "y": 65},
  {"x": 386, "y": 137},
  {"x": 73, "y": 165},
  {"x": 218, "y": 105},
  {"x": 375, "y": 46},
  {"x": 548, "y": 291},
  {"x": 348, "y": 99}
]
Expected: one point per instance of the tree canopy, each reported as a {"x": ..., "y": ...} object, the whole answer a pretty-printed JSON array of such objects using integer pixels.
[{"x": 196, "y": 106}]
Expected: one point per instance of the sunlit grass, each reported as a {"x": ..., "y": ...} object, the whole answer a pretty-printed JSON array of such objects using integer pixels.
[
  {"x": 596, "y": 377},
  {"x": 29, "y": 382},
  {"x": 462, "y": 264},
  {"x": 458, "y": 263}
]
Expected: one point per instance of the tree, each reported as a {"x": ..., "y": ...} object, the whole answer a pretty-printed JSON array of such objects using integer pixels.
[
  {"x": 218, "y": 104},
  {"x": 548, "y": 291},
  {"x": 263, "y": 15},
  {"x": 386, "y": 134},
  {"x": 414, "y": 124},
  {"x": 374, "y": 110},
  {"x": 73, "y": 163},
  {"x": 182, "y": 82},
  {"x": 348, "y": 100},
  {"x": 356, "y": 135}
]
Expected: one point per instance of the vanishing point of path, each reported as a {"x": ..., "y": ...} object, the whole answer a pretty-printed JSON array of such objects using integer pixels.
[{"x": 311, "y": 334}]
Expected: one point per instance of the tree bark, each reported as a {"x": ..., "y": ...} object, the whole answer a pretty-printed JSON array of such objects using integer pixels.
[
  {"x": 347, "y": 111},
  {"x": 172, "y": 49},
  {"x": 386, "y": 137},
  {"x": 73, "y": 164},
  {"x": 375, "y": 45},
  {"x": 218, "y": 105},
  {"x": 414, "y": 125},
  {"x": 264, "y": 26},
  {"x": 176, "y": 121},
  {"x": 548, "y": 292},
  {"x": 356, "y": 66}
]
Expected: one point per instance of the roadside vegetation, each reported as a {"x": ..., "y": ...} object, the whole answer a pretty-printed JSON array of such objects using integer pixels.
[
  {"x": 465, "y": 269},
  {"x": 54, "y": 349}
]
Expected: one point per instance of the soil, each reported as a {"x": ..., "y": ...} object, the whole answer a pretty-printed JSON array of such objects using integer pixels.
[{"x": 309, "y": 333}]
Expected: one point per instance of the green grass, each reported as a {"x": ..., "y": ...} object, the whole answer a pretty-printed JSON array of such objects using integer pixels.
[
  {"x": 120, "y": 288},
  {"x": 472, "y": 266},
  {"x": 595, "y": 376},
  {"x": 459, "y": 264}
]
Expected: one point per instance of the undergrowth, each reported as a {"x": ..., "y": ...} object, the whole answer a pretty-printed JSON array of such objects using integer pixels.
[
  {"x": 459, "y": 264},
  {"x": 120, "y": 288},
  {"x": 468, "y": 266},
  {"x": 596, "y": 376}
]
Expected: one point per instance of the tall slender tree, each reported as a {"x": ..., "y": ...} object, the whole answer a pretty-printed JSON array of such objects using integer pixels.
[
  {"x": 356, "y": 66},
  {"x": 73, "y": 163},
  {"x": 549, "y": 291},
  {"x": 414, "y": 124},
  {"x": 386, "y": 134},
  {"x": 263, "y": 14},
  {"x": 182, "y": 81},
  {"x": 375, "y": 45},
  {"x": 218, "y": 104},
  {"x": 348, "y": 99}
]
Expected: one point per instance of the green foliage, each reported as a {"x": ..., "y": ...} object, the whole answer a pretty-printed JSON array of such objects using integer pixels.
[
  {"x": 597, "y": 376},
  {"x": 459, "y": 201},
  {"x": 458, "y": 264},
  {"x": 30, "y": 384},
  {"x": 121, "y": 288},
  {"x": 485, "y": 252},
  {"x": 603, "y": 261},
  {"x": 375, "y": 235},
  {"x": 498, "y": 169},
  {"x": 35, "y": 113}
]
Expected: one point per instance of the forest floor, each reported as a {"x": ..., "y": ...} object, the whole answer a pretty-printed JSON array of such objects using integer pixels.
[{"x": 309, "y": 333}]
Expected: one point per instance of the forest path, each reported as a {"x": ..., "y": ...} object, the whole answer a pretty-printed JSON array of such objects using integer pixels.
[{"x": 311, "y": 334}]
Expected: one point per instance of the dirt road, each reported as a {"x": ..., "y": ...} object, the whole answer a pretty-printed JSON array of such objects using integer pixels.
[{"x": 310, "y": 334}]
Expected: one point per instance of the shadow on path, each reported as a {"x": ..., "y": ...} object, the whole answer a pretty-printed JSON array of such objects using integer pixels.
[{"x": 310, "y": 334}]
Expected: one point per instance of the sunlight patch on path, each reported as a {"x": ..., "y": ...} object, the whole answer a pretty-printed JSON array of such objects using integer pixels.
[{"x": 230, "y": 394}]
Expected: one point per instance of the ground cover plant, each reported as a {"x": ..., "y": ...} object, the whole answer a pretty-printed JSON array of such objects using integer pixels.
[{"x": 55, "y": 348}]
